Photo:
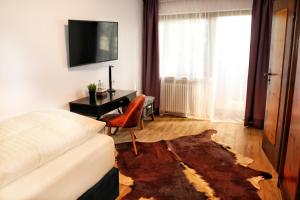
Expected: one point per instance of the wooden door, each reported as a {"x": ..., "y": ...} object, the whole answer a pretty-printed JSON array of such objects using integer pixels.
[
  {"x": 281, "y": 39},
  {"x": 275, "y": 73}
]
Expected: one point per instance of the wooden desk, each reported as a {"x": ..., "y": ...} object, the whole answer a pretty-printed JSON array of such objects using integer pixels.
[{"x": 102, "y": 105}]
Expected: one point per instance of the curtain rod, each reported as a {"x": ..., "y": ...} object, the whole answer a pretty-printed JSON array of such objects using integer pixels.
[{"x": 171, "y": 1}]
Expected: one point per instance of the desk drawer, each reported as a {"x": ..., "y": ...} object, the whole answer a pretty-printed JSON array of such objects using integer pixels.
[
  {"x": 83, "y": 109},
  {"x": 113, "y": 105},
  {"x": 122, "y": 102}
]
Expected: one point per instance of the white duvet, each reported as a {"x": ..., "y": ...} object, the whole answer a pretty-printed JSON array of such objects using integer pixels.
[{"x": 31, "y": 140}]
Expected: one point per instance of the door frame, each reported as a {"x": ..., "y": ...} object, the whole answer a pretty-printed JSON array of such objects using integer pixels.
[{"x": 274, "y": 152}]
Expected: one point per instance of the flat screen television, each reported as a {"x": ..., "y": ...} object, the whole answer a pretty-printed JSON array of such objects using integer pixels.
[{"x": 92, "y": 42}]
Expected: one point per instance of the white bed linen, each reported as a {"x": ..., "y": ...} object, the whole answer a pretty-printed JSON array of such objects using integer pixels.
[
  {"x": 68, "y": 176},
  {"x": 31, "y": 140}
]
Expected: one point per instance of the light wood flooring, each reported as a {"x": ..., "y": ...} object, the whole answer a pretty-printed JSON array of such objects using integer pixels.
[{"x": 246, "y": 141}]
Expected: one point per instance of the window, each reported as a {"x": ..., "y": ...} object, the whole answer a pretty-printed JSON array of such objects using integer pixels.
[{"x": 210, "y": 49}]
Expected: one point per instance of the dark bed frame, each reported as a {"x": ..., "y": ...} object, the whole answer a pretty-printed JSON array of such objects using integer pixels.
[{"x": 107, "y": 188}]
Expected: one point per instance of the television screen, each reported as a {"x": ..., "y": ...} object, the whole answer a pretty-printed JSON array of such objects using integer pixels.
[{"x": 92, "y": 42}]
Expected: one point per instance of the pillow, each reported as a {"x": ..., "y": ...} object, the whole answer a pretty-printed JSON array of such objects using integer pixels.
[{"x": 31, "y": 140}]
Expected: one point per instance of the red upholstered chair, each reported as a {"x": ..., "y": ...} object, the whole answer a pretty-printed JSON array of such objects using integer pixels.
[{"x": 131, "y": 118}]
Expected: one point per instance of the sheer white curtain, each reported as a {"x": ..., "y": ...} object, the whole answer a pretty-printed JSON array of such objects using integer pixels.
[{"x": 205, "y": 55}]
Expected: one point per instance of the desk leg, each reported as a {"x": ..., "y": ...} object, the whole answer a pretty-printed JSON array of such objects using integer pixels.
[
  {"x": 109, "y": 131},
  {"x": 119, "y": 111},
  {"x": 152, "y": 116}
]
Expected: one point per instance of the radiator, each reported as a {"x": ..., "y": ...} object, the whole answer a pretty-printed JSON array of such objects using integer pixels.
[{"x": 183, "y": 97}]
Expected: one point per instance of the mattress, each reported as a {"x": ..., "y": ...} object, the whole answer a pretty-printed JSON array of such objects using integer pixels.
[
  {"x": 68, "y": 176},
  {"x": 33, "y": 139}
]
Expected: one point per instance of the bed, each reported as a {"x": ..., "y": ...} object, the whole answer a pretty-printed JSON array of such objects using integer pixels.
[{"x": 56, "y": 155}]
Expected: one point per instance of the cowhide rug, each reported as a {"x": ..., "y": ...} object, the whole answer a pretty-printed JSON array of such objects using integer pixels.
[{"x": 189, "y": 167}]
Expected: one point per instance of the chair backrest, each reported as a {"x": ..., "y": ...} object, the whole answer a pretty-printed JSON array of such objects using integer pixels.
[{"x": 134, "y": 112}]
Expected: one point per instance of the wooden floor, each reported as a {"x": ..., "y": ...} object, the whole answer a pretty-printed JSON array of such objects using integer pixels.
[{"x": 246, "y": 141}]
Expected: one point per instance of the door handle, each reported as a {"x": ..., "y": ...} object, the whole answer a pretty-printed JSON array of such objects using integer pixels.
[{"x": 270, "y": 74}]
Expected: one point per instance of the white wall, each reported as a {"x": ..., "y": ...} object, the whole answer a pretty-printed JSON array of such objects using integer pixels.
[{"x": 34, "y": 73}]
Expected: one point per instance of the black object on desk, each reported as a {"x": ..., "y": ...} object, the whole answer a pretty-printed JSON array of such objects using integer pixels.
[{"x": 102, "y": 105}]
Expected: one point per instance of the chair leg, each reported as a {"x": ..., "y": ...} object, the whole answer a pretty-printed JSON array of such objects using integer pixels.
[
  {"x": 141, "y": 124},
  {"x": 133, "y": 141}
]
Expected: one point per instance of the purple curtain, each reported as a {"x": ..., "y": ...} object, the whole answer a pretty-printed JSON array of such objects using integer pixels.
[
  {"x": 262, "y": 11},
  {"x": 150, "y": 68}
]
